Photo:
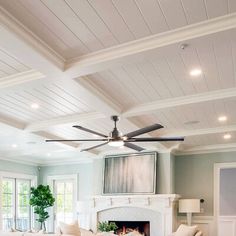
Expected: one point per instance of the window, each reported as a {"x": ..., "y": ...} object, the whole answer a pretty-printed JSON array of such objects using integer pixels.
[{"x": 15, "y": 211}]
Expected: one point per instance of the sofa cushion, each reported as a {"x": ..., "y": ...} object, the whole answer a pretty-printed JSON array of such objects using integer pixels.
[
  {"x": 72, "y": 229},
  {"x": 185, "y": 230}
]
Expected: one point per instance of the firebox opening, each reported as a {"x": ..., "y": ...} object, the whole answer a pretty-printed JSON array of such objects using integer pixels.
[{"x": 125, "y": 227}]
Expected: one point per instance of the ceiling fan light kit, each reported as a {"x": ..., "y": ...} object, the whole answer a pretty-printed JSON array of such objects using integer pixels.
[{"x": 117, "y": 139}]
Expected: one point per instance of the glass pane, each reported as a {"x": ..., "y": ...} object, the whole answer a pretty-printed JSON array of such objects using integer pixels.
[
  {"x": 69, "y": 188},
  {"x": 60, "y": 188},
  {"x": 7, "y": 203},
  {"x": 64, "y": 201},
  {"x": 7, "y": 186},
  {"x": 23, "y": 207},
  {"x": 23, "y": 187}
]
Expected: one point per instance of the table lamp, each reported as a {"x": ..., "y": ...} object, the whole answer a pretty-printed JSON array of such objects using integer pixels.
[{"x": 189, "y": 206}]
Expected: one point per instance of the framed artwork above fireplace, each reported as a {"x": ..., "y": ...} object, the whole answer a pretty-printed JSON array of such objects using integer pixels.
[{"x": 130, "y": 174}]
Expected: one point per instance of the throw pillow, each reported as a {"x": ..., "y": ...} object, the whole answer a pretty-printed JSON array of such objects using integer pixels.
[
  {"x": 72, "y": 229},
  {"x": 199, "y": 233},
  {"x": 185, "y": 230}
]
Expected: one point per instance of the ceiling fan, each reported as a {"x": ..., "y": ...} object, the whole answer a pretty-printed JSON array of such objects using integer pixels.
[{"x": 116, "y": 139}]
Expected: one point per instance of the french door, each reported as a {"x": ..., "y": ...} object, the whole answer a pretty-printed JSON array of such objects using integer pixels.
[
  {"x": 65, "y": 205},
  {"x": 16, "y": 211}
]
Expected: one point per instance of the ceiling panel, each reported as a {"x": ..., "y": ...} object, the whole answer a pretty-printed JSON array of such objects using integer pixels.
[
  {"x": 191, "y": 117},
  {"x": 73, "y": 28},
  {"x": 167, "y": 74},
  {"x": 53, "y": 99},
  {"x": 9, "y": 65}
]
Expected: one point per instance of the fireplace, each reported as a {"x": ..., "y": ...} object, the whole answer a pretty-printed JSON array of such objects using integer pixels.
[
  {"x": 159, "y": 210},
  {"x": 125, "y": 227}
]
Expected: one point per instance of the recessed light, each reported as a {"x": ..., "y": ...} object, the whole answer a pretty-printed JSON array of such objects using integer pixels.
[
  {"x": 48, "y": 154},
  {"x": 227, "y": 136},
  {"x": 14, "y": 145},
  {"x": 95, "y": 135},
  {"x": 195, "y": 72},
  {"x": 222, "y": 118},
  {"x": 34, "y": 106}
]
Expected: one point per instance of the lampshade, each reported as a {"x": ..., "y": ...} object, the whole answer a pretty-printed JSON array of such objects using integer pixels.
[{"x": 189, "y": 205}]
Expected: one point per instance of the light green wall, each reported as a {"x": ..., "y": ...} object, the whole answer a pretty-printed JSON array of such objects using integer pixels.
[
  {"x": 84, "y": 172},
  {"x": 194, "y": 176},
  {"x": 9, "y": 166}
]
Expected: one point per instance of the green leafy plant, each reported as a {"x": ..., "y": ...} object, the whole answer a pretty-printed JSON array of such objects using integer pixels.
[
  {"x": 106, "y": 227},
  {"x": 41, "y": 198}
]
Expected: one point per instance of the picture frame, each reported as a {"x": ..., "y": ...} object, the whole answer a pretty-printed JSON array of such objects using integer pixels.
[{"x": 133, "y": 173}]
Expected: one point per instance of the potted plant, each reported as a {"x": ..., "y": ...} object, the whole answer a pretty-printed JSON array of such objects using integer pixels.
[
  {"x": 107, "y": 226},
  {"x": 41, "y": 198}
]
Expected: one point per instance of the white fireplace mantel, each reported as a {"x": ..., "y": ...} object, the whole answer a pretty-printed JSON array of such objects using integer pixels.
[{"x": 163, "y": 204}]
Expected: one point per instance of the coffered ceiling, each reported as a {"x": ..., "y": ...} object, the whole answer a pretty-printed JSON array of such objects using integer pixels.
[{"x": 65, "y": 62}]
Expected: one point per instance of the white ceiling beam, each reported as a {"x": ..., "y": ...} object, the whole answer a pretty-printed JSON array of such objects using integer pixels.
[
  {"x": 20, "y": 78},
  {"x": 150, "y": 107},
  {"x": 82, "y": 117},
  {"x": 115, "y": 56},
  {"x": 24, "y": 44},
  {"x": 6, "y": 120},
  {"x": 194, "y": 132}
]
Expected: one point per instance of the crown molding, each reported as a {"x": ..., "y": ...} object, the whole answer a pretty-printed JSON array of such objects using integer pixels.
[
  {"x": 81, "y": 117},
  {"x": 194, "y": 132},
  {"x": 229, "y": 147},
  {"x": 150, "y": 107},
  {"x": 114, "y": 56},
  {"x": 20, "y": 78}
]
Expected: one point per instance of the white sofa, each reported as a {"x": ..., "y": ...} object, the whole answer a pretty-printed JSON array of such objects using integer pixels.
[{"x": 82, "y": 231}]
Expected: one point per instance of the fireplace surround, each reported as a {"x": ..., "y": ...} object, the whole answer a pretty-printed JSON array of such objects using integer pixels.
[{"x": 158, "y": 209}]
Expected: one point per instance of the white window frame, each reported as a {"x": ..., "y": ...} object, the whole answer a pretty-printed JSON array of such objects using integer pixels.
[
  {"x": 3, "y": 174},
  {"x": 50, "y": 182}
]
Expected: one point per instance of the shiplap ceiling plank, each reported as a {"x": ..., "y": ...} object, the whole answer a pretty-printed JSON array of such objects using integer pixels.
[
  {"x": 39, "y": 27},
  {"x": 67, "y": 42},
  {"x": 153, "y": 15},
  {"x": 74, "y": 23},
  {"x": 87, "y": 14},
  {"x": 112, "y": 19},
  {"x": 231, "y": 6},
  {"x": 133, "y": 18},
  {"x": 216, "y": 8},
  {"x": 191, "y": 61},
  {"x": 223, "y": 53},
  {"x": 195, "y": 11},
  {"x": 174, "y": 13}
]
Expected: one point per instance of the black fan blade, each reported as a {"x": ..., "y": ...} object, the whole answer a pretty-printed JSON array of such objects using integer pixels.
[
  {"x": 90, "y": 131},
  {"x": 158, "y": 139},
  {"x": 76, "y": 140},
  {"x": 143, "y": 130},
  {"x": 87, "y": 149},
  {"x": 133, "y": 146}
]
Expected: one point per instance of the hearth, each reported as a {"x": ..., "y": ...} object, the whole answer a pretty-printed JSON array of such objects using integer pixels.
[{"x": 125, "y": 227}]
